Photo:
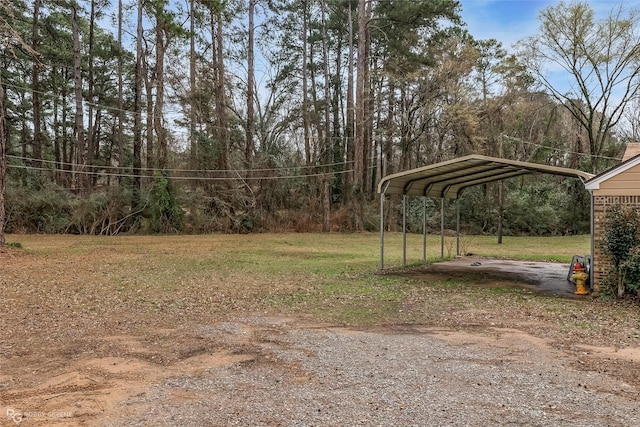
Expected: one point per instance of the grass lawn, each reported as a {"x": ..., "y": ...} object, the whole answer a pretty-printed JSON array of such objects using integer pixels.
[
  {"x": 323, "y": 277},
  {"x": 287, "y": 254},
  {"x": 535, "y": 248}
]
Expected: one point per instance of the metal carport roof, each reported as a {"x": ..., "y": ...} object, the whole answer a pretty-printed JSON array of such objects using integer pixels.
[{"x": 448, "y": 179}]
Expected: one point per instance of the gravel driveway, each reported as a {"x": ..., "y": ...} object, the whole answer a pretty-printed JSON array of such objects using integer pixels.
[{"x": 295, "y": 375}]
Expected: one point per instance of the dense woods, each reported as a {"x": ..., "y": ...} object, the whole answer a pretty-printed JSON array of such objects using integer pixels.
[{"x": 159, "y": 116}]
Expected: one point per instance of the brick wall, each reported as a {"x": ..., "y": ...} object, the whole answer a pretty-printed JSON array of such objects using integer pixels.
[{"x": 601, "y": 262}]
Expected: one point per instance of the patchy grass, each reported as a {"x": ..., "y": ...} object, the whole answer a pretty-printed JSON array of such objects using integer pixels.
[
  {"x": 75, "y": 309},
  {"x": 534, "y": 248},
  {"x": 71, "y": 295},
  {"x": 555, "y": 248},
  {"x": 137, "y": 280}
]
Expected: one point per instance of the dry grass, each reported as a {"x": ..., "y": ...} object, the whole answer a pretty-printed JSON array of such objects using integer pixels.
[
  {"x": 175, "y": 280},
  {"x": 71, "y": 298},
  {"x": 538, "y": 248}
]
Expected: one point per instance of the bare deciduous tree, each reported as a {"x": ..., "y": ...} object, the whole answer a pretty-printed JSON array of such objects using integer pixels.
[{"x": 600, "y": 57}]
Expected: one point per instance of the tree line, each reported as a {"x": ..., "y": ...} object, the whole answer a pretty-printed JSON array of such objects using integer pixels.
[{"x": 250, "y": 115}]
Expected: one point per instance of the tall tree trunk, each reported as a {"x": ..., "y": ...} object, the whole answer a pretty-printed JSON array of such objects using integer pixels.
[
  {"x": 361, "y": 117},
  {"x": 368, "y": 106},
  {"x": 387, "y": 151},
  {"x": 137, "y": 120},
  {"x": 305, "y": 87},
  {"x": 326, "y": 203},
  {"x": 327, "y": 88},
  {"x": 97, "y": 125},
  {"x": 68, "y": 148},
  {"x": 158, "y": 124},
  {"x": 316, "y": 122},
  {"x": 249, "y": 145},
  {"x": 3, "y": 163},
  {"x": 81, "y": 180},
  {"x": 24, "y": 138},
  {"x": 112, "y": 151},
  {"x": 120, "y": 135},
  {"x": 193, "y": 149},
  {"x": 221, "y": 104},
  {"x": 59, "y": 175},
  {"x": 36, "y": 90},
  {"x": 326, "y": 149},
  {"x": 90, "y": 88},
  {"x": 148, "y": 84},
  {"x": 376, "y": 102},
  {"x": 63, "y": 165},
  {"x": 162, "y": 40},
  {"x": 349, "y": 132},
  {"x": 405, "y": 138},
  {"x": 337, "y": 141}
]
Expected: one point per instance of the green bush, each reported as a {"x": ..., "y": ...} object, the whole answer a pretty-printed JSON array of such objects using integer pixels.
[
  {"x": 45, "y": 210},
  {"x": 621, "y": 226},
  {"x": 165, "y": 214},
  {"x": 630, "y": 270},
  {"x": 622, "y": 243}
]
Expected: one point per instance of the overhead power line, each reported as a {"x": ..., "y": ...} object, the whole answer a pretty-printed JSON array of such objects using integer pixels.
[
  {"x": 278, "y": 169},
  {"x": 561, "y": 150},
  {"x": 182, "y": 178}
]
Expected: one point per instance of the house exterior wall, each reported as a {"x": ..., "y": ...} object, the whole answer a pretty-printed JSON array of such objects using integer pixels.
[
  {"x": 626, "y": 183},
  {"x": 602, "y": 201}
]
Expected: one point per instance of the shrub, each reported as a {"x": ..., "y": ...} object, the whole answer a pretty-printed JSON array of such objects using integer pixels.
[
  {"x": 45, "y": 210},
  {"x": 622, "y": 243},
  {"x": 621, "y": 233},
  {"x": 106, "y": 212},
  {"x": 165, "y": 214},
  {"x": 630, "y": 270}
]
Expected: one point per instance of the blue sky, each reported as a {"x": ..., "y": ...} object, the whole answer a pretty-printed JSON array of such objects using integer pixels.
[
  {"x": 504, "y": 20},
  {"x": 510, "y": 20}
]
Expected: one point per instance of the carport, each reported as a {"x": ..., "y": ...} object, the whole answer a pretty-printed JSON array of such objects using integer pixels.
[{"x": 448, "y": 180}]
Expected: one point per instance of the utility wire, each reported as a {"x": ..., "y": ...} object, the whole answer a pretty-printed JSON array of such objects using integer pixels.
[
  {"x": 561, "y": 150},
  {"x": 182, "y": 178},
  {"x": 186, "y": 170}
]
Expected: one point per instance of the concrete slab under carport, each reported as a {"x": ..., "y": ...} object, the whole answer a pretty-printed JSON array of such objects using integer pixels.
[{"x": 549, "y": 278}]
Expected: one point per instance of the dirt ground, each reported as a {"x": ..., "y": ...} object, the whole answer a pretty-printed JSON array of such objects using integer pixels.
[{"x": 62, "y": 364}]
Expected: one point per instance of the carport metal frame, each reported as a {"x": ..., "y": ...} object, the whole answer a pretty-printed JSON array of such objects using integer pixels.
[{"x": 449, "y": 179}]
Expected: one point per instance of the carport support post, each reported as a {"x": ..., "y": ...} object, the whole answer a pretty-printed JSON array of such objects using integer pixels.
[
  {"x": 424, "y": 230},
  {"x": 593, "y": 236},
  {"x": 457, "y": 227},
  {"x": 404, "y": 230},
  {"x": 442, "y": 227},
  {"x": 382, "y": 230}
]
